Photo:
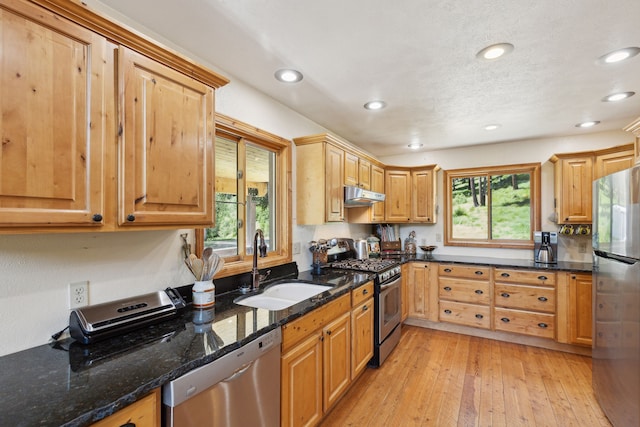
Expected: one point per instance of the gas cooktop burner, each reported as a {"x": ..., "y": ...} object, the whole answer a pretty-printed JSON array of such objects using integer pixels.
[{"x": 371, "y": 264}]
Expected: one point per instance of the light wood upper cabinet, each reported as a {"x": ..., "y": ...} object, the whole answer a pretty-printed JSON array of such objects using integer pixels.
[
  {"x": 55, "y": 81},
  {"x": 614, "y": 160},
  {"x": 411, "y": 194},
  {"x": 357, "y": 171},
  {"x": 397, "y": 205},
  {"x": 334, "y": 190},
  {"x": 634, "y": 128},
  {"x": 96, "y": 136},
  {"x": 166, "y": 162},
  {"x": 375, "y": 212},
  {"x": 423, "y": 206},
  {"x": 574, "y": 176}
]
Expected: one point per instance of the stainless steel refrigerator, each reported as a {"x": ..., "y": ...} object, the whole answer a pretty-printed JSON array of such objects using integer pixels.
[{"x": 616, "y": 296}]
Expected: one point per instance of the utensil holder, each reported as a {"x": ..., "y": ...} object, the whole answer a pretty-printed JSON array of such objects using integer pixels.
[{"x": 204, "y": 293}]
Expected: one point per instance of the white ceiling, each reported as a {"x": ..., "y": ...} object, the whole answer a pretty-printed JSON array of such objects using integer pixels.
[{"x": 419, "y": 57}]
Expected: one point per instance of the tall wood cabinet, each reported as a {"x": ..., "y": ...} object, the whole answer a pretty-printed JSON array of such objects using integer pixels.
[
  {"x": 93, "y": 132},
  {"x": 575, "y": 308}
]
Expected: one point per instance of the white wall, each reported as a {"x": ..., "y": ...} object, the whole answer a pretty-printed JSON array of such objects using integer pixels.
[
  {"x": 527, "y": 151},
  {"x": 36, "y": 269}
]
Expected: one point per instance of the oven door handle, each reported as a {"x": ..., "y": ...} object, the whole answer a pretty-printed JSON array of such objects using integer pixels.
[{"x": 388, "y": 285}]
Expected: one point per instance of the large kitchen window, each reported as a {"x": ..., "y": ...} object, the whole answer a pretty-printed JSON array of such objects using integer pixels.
[
  {"x": 252, "y": 168},
  {"x": 492, "y": 206}
]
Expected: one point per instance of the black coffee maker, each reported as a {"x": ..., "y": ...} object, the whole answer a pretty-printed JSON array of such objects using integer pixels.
[{"x": 545, "y": 250}]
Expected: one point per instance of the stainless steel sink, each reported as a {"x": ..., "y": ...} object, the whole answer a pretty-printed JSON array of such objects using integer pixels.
[{"x": 282, "y": 295}]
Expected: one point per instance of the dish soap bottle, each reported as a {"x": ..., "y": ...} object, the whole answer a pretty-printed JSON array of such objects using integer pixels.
[{"x": 410, "y": 244}]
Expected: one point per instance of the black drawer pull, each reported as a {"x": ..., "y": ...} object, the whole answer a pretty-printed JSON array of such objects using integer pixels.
[
  {"x": 543, "y": 299},
  {"x": 329, "y": 332},
  {"x": 365, "y": 308},
  {"x": 447, "y": 270},
  {"x": 542, "y": 277},
  {"x": 479, "y": 316},
  {"x": 128, "y": 425},
  {"x": 505, "y": 275},
  {"x": 97, "y": 218},
  {"x": 504, "y": 294},
  {"x": 479, "y": 292},
  {"x": 365, "y": 292},
  {"x": 505, "y": 319},
  {"x": 131, "y": 217},
  {"x": 447, "y": 288},
  {"x": 447, "y": 311},
  {"x": 543, "y": 325},
  {"x": 479, "y": 273}
]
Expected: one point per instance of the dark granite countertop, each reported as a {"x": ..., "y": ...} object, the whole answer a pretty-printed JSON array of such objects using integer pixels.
[
  {"x": 71, "y": 384},
  {"x": 578, "y": 267}
]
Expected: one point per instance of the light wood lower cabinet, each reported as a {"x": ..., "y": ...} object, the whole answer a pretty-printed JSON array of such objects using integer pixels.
[
  {"x": 142, "y": 413},
  {"x": 316, "y": 362},
  {"x": 362, "y": 315},
  {"x": 465, "y": 295},
  {"x": 575, "y": 310}
]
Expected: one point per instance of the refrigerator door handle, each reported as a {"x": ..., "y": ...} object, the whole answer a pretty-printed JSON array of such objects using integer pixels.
[{"x": 615, "y": 257}]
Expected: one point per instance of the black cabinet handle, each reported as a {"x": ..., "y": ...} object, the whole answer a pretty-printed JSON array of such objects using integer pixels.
[
  {"x": 505, "y": 319},
  {"x": 447, "y": 288},
  {"x": 479, "y": 316},
  {"x": 447, "y": 311},
  {"x": 365, "y": 308},
  {"x": 131, "y": 217},
  {"x": 543, "y": 325},
  {"x": 97, "y": 218},
  {"x": 505, "y": 275},
  {"x": 543, "y": 299},
  {"x": 128, "y": 425},
  {"x": 504, "y": 294},
  {"x": 365, "y": 292},
  {"x": 329, "y": 332},
  {"x": 542, "y": 277},
  {"x": 479, "y": 292},
  {"x": 479, "y": 273},
  {"x": 447, "y": 270}
]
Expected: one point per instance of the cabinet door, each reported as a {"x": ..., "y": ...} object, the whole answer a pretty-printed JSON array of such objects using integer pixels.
[
  {"x": 53, "y": 109},
  {"x": 423, "y": 206},
  {"x": 377, "y": 185},
  {"x": 575, "y": 196},
  {"x": 580, "y": 309},
  {"x": 398, "y": 195},
  {"x": 613, "y": 162},
  {"x": 364, "y": 174},
  {"x": 351, "y": 169},
  {"x": 418, "y": 290},
  {"x": 334, "y": 172},
  {"x": 166, "y": 145},
  {"x": 362, "y": 337},
  {"x": 142, "y": 413},
  {"x": 301, "y": 388},
  {"x": 336, "y": 359}
]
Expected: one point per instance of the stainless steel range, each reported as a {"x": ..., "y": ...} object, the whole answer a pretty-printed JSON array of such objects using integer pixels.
[{"x": 387, "y": 294}]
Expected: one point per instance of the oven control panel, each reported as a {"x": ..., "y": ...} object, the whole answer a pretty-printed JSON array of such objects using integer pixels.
[{"x": 388, "y": 274}]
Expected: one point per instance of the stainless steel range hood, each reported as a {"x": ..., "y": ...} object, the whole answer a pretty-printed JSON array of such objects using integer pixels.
[{"x": 356, "y": 196}]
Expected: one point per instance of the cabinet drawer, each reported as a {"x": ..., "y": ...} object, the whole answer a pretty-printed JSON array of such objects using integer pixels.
[
  {"x": 465, "y": 314},
  {"x": 474, "y": 291},
  {"x": 525, "y": 297},
  {"x": 527, "y": 277},
  {"x": 362, "y": 293},
  {"x": 525, "y": 322},
  {"x": 298, "y": 329},
  {"x": 468, "y": 271}
]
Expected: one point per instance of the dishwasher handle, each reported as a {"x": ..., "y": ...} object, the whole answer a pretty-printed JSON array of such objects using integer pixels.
[{"x": 239, "y": 372}]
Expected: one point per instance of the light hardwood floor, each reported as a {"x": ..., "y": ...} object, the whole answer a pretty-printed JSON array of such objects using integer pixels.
[{"x": 442, "y": 379}]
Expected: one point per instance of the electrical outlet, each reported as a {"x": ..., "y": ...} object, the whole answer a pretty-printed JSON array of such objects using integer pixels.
[
  {"x": 296, "y": 248},
  {"x": 78, "y": 294},
  {"x": 438, "y": 237},
  {"x": 582, "y": 247}
]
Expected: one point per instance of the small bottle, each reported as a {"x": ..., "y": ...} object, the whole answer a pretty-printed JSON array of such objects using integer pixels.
[
  {"x": 410, "y": 244},
  {"x": 204, "y": 293}
]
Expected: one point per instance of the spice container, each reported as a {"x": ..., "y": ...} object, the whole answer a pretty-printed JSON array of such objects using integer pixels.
[{"x": 410, "y": 244}]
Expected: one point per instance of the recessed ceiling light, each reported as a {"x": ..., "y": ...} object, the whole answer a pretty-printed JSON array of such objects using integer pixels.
[
  {"x": 617, "y": 96},
  {"x": 587, "y": 124},
  {"x": 619, "y": 55},
  {"x": 494, "y": 51},
  {"x": 492, "y": 127},
  {"x": 415, "y": 145},
  {"x": 288, "y": 75},
  {"x": 375, "y": 105}
]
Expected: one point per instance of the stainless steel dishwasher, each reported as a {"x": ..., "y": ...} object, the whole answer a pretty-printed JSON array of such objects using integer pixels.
[{"x": 241, "y": 389}]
